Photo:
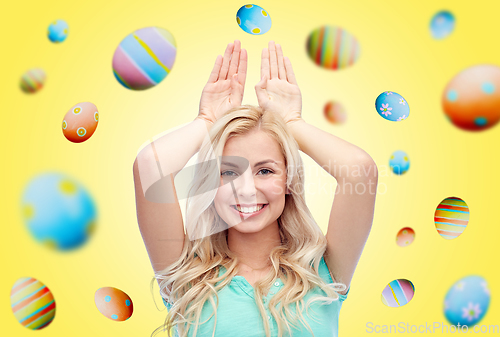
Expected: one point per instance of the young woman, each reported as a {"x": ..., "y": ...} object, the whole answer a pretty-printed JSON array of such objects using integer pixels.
[{"x": 253, "y": 262}]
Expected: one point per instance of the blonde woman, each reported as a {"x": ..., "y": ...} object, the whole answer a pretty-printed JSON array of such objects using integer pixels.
[{"x": 253, "y": 262}]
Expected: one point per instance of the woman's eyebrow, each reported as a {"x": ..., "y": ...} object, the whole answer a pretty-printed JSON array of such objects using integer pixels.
[{"x": 256, "y": 164}]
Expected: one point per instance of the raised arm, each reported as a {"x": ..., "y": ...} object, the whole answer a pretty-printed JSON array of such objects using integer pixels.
[
  {"x": 158, "y": 212},
  {"x": 355, "y": 171}
]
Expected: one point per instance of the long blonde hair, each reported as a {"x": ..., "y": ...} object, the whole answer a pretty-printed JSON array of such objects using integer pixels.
[{"x": 194, "y": 277}]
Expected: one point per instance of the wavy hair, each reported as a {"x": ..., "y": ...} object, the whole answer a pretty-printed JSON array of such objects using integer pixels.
[{"x": 194, "y": 278}]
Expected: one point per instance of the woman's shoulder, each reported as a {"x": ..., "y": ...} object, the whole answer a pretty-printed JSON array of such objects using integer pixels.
[{"x": 325, "y": 274}]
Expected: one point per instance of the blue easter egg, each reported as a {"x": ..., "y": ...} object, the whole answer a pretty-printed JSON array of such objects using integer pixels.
[
  {"x": 58, "y": 31},
  {"x": 467, "y": 301},
  {"x": 58, "y": 211},
  {"x": 392, "y": 106},
  {"x": 442, "y": 24},
  {"x": 253, "y": 19},
  {"x": 399, "y": 162}
]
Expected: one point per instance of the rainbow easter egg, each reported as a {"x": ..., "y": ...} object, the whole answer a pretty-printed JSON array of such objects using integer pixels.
[
  {"x": 451, "y": 217},
  {"x": 332, "y": 47},
  {"x": 398, "y": 293},
  {"x": 399, "y": 162},
  {"x": 32, "y": 303},
  {"x": 58, "y": 211},
  {"x": 113, "y": 303},
  {"x": 58, "y": 31},
  {"x": 467, "y": 301},
  {"x": 442, "y": 24},
  {"x": 144, "y": 58},
  {"x": 32, "y": 80},
  {"x": 405, "y": 237},
  {"x": 471, "y": 100},
  {"x": 80, "y": 122},
  {"x": 253, "y": 19},
  {"x": 392, "y": 106},
  {"x": 334, "y": 112}
]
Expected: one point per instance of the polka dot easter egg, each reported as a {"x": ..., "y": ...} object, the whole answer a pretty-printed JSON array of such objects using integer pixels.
[
  {"x": 399, "y": 162},
  {"x": 32, "y": 80},
  {"x": 58, "y": 212},
  {"x": 80, "y": 122},
  {"x": 471, "y": 100},
  {"x": 58, "y": 31},
  {"x": 398, "y": 293},
  {"x": 392, "y": 106},
  {"x": 144, "y": 58},
  {"x": 334, "y": 112},
  {"x": 253, "y": 19},
  {"x": 32, "y": 303},
  {"x": 332, "y": 47},
  {"x": 405, "y": 237},
  {"x": 451, "y": 217},
  {"x": 113, "y": 303},
  {"x": 442, "y": 24},
  {"x": 467, "y": 301}
]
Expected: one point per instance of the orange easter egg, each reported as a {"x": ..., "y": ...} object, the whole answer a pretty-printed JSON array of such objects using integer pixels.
[
  {"x": 113, "y": 303},
  {"x": 80, "y": 122}
]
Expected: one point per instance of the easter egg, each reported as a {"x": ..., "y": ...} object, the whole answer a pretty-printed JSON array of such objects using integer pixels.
[
  {"x": 58, "y": 211},
  {"x": 451, "y": 217},
  {"x": 392, "y": 106},
  {"x": 32, "y": 80},
  {"x": 58, "y": 31},
  {"x": 32, "y": 303},
  {"x": 332, "y": 47},
  {"x": 405, "y": 236},
  {"x": 442, "y": 24},
  {"x": 80, "y": 122},
  {"x": 471, "y": 100},
  {"x": 398, "y": 293},
  {"x": 467, "y": 301},
  {"x": 113, "y": 303},
  {"x": 144, "y": 58},
  {"x": 253, "y": 19},
  {"x": 399, "y": 162},
  {"x": 334, "y": 112}
]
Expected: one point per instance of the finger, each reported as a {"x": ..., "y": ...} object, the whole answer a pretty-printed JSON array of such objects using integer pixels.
[
  {"x": 264, "y": 67},
  {"x": 242, "y": 67},
  {"x": 215, "y": 71},
  {"x": 225, "y": 62},
  {"x": 281, "y": 63},
  {"x": 290, "y": 75},
  {"x": 235, "y": 58},
  {"x": 273, "y": 63}
]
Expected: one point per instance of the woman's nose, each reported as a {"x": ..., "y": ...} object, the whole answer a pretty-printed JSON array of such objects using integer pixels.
[{"x": 245, "y": 185}]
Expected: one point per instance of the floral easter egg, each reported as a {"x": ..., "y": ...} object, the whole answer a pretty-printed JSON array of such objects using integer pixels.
[
  {"x": 471, "y": 100},
  {"x": 58, "y": 31},
  {"x": 467, "y": 301},
  {"x": 399, "y": 162},
  {"x": 451, "y": 217},
  {"x": 442, "y": 24},
  {"x": 32, "y": 80},
  {"x": 80, "y": 122},
  {"x": 113, "y": 303},
  {"x": 405, "y": 236},
  {"x": 32, "y": 303},
  {"x": 392, "y": 106},
  {"x": 334, "y": 112},
  {"x": 398, "y": 293},
  {"x": 253, "y": 19}
]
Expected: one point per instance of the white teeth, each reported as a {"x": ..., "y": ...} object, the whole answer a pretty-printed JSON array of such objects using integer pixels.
[{"x": 249, "y": 209}]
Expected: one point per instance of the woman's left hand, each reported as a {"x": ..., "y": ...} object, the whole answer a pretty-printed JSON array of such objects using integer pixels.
[{"x": 278, "y": 90}]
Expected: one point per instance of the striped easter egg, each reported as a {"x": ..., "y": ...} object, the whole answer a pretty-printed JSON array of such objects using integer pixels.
[
  {"x": 144, "y": 58},
  {"x": 32, "y": 303},
  {"x": 398, "y": 293},
  {"x": 451, "y": 217},
  {"x": 32, "y": 80},
  {"x": 332, "y": 47}
]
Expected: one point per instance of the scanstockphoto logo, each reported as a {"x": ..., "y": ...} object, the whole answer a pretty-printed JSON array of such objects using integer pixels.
[{"x": 429, "y": 327}]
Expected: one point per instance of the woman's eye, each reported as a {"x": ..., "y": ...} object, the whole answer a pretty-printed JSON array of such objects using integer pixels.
[
  {"x": 224, "y": 173},
  {"x": 267, "y": 171}
]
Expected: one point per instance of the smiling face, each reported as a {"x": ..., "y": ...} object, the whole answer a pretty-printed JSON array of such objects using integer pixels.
[{"x": 253, "y": 174}]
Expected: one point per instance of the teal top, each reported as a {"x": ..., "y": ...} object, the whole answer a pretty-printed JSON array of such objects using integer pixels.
[{"x": 237, "y": 311}]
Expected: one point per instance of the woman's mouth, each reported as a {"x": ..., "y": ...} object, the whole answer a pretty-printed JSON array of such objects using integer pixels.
[{"x": 249, "y": 211}]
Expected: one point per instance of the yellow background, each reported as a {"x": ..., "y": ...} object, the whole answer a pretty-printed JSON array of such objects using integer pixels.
[{"x": 397, "y": 54}]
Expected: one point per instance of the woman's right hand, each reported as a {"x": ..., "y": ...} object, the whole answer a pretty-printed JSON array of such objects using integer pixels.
[{"x": 226, "y": 84}]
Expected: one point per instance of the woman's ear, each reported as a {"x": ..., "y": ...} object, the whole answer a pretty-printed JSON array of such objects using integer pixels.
[{"x": 287, "y": 191}]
